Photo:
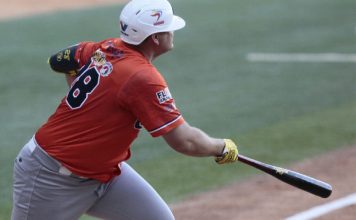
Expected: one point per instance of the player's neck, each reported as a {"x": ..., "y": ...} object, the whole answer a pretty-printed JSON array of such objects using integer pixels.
[
  {"x": 149, "y": 54},
  {"x": 144, "y": 50}
]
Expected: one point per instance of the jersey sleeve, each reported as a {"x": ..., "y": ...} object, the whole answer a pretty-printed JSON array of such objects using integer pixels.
[
  {"x": 149, "y": 98},
  {"x": 85, "y": 51},
  {"x": 64, "y": 61}
]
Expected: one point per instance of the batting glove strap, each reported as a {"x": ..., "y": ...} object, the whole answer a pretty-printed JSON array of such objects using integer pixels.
[{"x": 229, "y": 154}]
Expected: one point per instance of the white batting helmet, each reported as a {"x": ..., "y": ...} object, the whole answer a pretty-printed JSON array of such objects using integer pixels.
[{"x": 141, "y": 18}]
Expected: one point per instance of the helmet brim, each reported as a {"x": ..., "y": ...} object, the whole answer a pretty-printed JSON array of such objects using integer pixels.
[{"x": 176, "y": 24}]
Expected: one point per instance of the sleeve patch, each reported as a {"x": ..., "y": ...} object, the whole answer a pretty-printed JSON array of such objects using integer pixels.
[{"x": 163, "y": 95}]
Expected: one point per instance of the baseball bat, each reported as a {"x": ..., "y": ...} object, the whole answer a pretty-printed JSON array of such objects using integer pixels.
[{"x": 293, "y": 178}]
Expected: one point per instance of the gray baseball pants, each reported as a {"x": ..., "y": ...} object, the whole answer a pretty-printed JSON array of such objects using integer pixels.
[{"x": 43, "y": 189}]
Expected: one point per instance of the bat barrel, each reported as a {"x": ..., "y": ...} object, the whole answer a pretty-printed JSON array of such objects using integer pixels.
[
  {"x": 308, "y": 184},
  {"x": 293, "y": 178}
]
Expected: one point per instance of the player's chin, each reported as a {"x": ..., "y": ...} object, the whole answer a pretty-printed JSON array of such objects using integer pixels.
[
  {"x": 167, "y": 49},
  {"x": 170, "y": 47}
]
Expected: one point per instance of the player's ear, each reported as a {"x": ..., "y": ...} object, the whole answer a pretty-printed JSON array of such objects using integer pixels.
[{"x": 155, "y": 39}]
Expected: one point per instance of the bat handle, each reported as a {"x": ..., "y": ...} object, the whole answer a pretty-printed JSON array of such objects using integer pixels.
[{"x": 255, "y": 163}]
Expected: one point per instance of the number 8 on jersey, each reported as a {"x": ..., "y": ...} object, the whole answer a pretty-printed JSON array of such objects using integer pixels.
[{"x": 82, "y": 87}]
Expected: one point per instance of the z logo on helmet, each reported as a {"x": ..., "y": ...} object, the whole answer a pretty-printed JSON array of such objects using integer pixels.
[{"x": 157, "y": 14}]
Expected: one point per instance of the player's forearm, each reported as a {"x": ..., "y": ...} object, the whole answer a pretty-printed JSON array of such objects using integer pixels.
[
  {"x": 69, "y": 79},
  {"x": 194, "y": 142},
  {"x": 200, "y": 144}
]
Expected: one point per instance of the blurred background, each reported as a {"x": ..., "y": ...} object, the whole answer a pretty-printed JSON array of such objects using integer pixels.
[{"x": 278, "y": 111}]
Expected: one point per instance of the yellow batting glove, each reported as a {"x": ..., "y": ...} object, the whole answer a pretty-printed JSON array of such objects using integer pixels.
[{"x": 229, "y": 154}]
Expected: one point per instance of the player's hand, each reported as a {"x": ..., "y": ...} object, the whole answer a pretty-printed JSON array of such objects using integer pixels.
[{"x": 229, "y": 154}]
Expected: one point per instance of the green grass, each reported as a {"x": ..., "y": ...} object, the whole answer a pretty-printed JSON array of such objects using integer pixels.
[{"x": 278, "y": 112}]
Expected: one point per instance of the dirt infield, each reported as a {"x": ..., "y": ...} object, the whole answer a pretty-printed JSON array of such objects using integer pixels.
[{"x": 261, "y": 197}]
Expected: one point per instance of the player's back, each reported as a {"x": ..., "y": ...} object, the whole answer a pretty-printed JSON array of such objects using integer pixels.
[{"x": 93, "y": 120}]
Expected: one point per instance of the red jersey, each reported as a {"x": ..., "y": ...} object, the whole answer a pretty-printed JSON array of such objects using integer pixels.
[{"x": 116, "y": 92}]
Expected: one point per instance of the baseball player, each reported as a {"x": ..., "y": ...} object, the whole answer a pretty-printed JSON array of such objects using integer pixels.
[{"x": 75, "y": 162}]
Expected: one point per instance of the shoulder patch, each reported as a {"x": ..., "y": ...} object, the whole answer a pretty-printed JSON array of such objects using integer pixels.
[{"x": 103, "y": 66}]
